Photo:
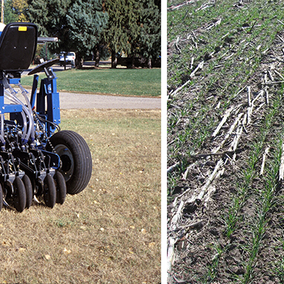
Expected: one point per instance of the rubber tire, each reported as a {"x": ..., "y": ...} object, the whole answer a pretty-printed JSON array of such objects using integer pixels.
[
  {"x": 19, "y": 195},
  {"x": 61, "y": 188},
  {"x": 29, "y": 190},
  {"x": 81, "y": 163},
  {"x": 49, "y": 194}
]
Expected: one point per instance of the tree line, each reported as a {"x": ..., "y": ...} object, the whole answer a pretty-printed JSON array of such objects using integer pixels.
[{"x": 94, "y": 28}]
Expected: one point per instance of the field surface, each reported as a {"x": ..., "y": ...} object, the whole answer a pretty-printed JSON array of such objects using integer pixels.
[
  {"x": 225, "y": 141},
  {"x": 110, "y": 232}
]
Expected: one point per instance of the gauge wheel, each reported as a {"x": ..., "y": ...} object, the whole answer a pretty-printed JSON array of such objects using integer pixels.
[{"x": 75, "y": 159}]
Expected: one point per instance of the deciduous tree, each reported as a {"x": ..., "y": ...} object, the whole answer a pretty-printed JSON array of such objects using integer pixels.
[{"x": 14, "y": 11}]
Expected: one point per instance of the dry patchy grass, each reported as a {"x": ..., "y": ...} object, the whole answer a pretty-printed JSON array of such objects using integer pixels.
[{"x": 109, "y": 233}]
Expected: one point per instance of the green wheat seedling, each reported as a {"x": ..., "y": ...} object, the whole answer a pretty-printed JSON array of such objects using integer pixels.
[
  {"x": 239, "y": 200},
  {"x": 258, "y": 35},
  {"x": 266, "y": 203},
  {"x": 247, "y": 177},
  {"x": 243, "y": 39},
  {"x": 199, "y": 132},
  {"x": 279, "y": 267},
  {"x": 259, "y": 229},
  {"x": 232, "y": 218},
  {"x": 212, "y": 268}
]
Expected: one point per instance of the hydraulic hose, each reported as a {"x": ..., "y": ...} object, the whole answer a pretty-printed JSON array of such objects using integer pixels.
[
  {"x": 15, "y": 100},
  {"x": 24, "y": 93},
  {"x": 26, "y": 112}
]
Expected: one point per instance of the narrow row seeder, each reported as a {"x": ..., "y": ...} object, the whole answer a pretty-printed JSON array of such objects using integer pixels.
[{"x": 37, "y": 159}]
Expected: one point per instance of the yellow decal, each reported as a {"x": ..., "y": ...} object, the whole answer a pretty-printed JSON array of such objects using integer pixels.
[{"x": 22, "y": 29}]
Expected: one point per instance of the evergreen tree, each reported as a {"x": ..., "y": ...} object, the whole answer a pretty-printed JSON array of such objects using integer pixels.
[
  {"x": 122, "y": 27},
  {"x": 86, "y": 20},
  {"x": 150, "y": 32},
  {"x": 78, "y": 24},
  {"x": 134, "y": 28},
  {"x": 50, "y": 16}
]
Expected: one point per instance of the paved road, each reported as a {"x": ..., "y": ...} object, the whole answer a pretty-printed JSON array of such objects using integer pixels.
[{"x": 71, "y": 100}]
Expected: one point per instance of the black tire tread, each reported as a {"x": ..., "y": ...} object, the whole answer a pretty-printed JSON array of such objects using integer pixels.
[
  {"x": 19, "y": 195},
  {"x": 29, "y": 190},
  {"x": 50, "y": 191},
  {"x": 82, "y": 158},
  {"x": 61, "y": 188}
]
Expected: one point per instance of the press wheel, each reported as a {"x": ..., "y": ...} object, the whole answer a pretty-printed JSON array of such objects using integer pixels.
[
  {"x": 49, "y": 191},
  {"x": 29, "y": 190},
  {"x": 60, "y": 187},
  {"x": 19, "y": 195}
]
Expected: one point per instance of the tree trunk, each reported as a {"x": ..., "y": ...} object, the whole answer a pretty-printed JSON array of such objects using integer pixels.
[
  {"x": 97, "y": 55},
  {"x": 79, "y": 61},
  {"x": 113, "y": 59},
  {"x": 64, "y": 61},
  {"x": 149, "y": 63},
  {"x": 132, "y": 62}
]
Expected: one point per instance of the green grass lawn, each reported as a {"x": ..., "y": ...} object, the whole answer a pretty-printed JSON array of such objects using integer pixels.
[{"x": 129, "y": 82}]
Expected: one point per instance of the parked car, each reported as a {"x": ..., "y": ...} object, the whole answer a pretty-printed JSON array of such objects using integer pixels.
[{"x": 70, "y": 58}]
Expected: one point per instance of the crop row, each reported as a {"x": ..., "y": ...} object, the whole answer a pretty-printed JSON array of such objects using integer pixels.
[
  {"x": 193, "y": 112},
  {"x": 225, "y": 143},
  {"x": 263, "y": 195}
]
